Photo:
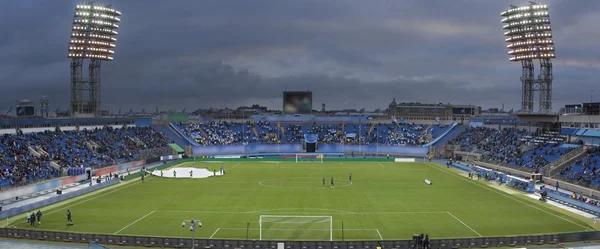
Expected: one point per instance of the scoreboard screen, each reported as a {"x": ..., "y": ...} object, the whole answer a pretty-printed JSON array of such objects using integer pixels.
[{"x": 297, "y": 102}]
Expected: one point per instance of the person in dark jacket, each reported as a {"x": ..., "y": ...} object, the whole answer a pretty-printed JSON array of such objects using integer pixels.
[
  {"x": 69, "y": 220},
  {"x": 39, "y": 216},
  {"x": 32, "y": 220}
]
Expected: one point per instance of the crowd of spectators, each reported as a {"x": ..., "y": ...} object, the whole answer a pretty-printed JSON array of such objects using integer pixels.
[
  {"x": 468, "y": 139},
  {"x": 33, "y": 156},
  {"x": 512, "y": 147},
  {"x": 584, "y": 169},
  {"x": 225, "y": 133}
]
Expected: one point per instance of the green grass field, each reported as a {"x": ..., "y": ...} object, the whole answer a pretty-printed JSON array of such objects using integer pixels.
[{"x": 384, "y": 201}]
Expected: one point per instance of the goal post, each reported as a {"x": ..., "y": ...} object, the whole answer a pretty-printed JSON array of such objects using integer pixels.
[
  {"x": 318, "y": 158},
  {"x": 287, "y": 227}
]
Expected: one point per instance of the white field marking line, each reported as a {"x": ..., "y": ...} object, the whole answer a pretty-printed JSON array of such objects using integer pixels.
[
  {"x": 254, "y": 212},
  {"x": 130, "y": 224},
  {"x": 465, "y": 224},
  {"x": 505, "y": 195},
  {"x": 381, "y": 165},
  {"x": 86, "y": 200},
  {"x": 214, "y": 233},
  {"x": 303, "y": 209},
  {"x": 379, "y": 234},
  {"x": 262, "y": 183},
  {"x": 236, "y": 165},
  {"x": 291, "y": 229}
]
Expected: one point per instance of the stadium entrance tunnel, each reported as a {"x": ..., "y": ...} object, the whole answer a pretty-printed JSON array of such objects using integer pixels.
[{"x": 185, "y": 173}]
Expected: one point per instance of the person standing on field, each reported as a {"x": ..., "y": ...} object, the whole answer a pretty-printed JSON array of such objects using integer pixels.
[
  {"x": 69, "y": 220},
  {"x": 39, "y": 216}
]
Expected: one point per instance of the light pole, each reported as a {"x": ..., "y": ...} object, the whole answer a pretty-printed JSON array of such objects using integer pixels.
[{"x": 192, "y": 228}]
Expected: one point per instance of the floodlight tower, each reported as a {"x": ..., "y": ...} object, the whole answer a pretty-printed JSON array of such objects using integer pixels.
[
  {"x": 93, "y": 38},
  {"x": 529, "y": 38}
]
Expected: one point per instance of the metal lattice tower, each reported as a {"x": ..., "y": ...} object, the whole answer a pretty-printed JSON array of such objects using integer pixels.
[
  {"x": 93, "y": 38},
  {"x": 44, "y": 106},
  {"x": 529, "y": 38}
]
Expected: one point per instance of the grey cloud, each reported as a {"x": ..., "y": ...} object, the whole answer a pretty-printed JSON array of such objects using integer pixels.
[{"x": 226, "y": 53}]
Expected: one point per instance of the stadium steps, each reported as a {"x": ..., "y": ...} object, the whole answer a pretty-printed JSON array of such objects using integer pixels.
[
  {"x": 449, "y": 136},
  {"x": 41, "y": 151},
  {"x": 255, "y": 131},
  {"x": 204, "y": 134},
  {"x": 282, "y": 130},
  {"x": 424, "y": 130},
  {"x": 555, "y": 167},
  {"x": 172, "y": 134},
  {"x": 370, "y": 129},
  {"x": 33, "y": 152},
  {"x": 54, "y": 164}
]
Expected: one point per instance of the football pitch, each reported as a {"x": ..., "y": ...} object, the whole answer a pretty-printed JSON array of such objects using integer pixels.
[{"x": 284, "y": 200}]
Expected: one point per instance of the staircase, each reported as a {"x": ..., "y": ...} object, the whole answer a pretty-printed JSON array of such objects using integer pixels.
[
  {"x": 425, "y": 130},
  {"x": 54, "y": 164},
  {"x": 255, "y": 131},
  {"x": 41, "y": 151},
  {"x": 554, "y": 168},
  {"x": 33, "y": 152},
  {"x": 370, "y": 129},
  {"x": 453, "y": 133},
  {"x": 171, "y": 133},
  {"x": 204, "y": 134}
]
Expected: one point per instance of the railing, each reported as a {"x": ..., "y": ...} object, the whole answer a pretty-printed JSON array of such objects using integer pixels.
[
  {"x": 468, "y": 154},
  {"x": 204, "y": 243},
  {"x": 504, "y": 169},
  {"x": 554, "y": 167},
  {"x": 146, "y": 241},
  {"x": 322, "y": 148},
  {"x": 547, "y": 180}
]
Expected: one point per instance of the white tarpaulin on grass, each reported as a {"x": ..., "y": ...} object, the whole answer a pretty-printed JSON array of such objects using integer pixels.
[{"x": 185, "y": 173}]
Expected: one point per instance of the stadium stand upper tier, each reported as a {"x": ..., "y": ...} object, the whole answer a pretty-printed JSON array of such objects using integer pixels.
[
  {"x": 513, "y": 147},
  {"x": 225, "y": 133},
  {"x": 27, "y": 157}
]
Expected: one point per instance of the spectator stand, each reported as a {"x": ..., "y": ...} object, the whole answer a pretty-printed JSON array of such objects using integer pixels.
[
  {"x": 584, "y": 171},
  {"x": 216, "y": 133},
  {"x": 31, "y": 157}
]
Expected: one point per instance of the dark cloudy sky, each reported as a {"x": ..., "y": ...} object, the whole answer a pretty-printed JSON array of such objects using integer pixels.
[{"x": 191, "y": 54}]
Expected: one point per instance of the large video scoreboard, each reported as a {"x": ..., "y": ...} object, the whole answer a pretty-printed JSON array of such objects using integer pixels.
[{"x": 297, "y": 102}]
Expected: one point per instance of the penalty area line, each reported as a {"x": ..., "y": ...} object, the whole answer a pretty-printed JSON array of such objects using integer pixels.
[
  {"x": 130, "y": 224},
  {"x": 464, "y": 224},
  {"x": 378, "y": 233},
  {"x": 381, "y": 165},
  {"x": 236, "y": 165},
  {"x": 215, "y": 233}
]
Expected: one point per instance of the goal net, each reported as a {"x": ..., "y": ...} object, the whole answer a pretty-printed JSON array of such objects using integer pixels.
[
  {"x": 274, "y": 227},
  {"x": 309, "y": 158}
]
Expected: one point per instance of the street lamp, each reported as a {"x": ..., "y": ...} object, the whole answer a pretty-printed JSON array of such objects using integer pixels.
[{"x": 192, "y": 228}]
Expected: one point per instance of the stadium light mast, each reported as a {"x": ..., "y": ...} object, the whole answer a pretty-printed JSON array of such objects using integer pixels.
[
  {"x": 93, "y": 38},
  {"x": 529, "y": 37}
]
